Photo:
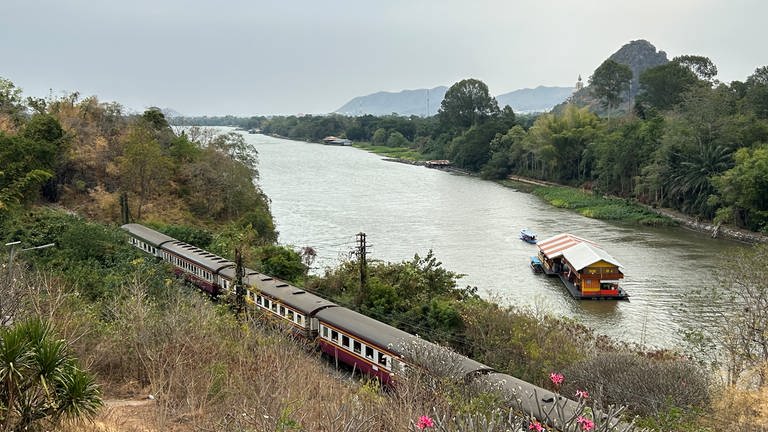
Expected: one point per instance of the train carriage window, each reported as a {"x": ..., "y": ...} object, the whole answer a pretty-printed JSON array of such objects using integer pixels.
[
  {"x": 356, "y": 347},
  {"x": 369, "y": 352},
  {"x": 383, "y": 359},
  {"x": 325, "y": 332},
  {"x": 282, "y": 311},
  {"x": 345, "y": 341},
  {"x": 290, "y": 315},
  {"x": 335, "y": 336},
  {"x": 274, "y": 307},
  {"x": 299, "y": 319},
  {"x": 258, "y": 300},
  {"x": 266, "y": 304}
]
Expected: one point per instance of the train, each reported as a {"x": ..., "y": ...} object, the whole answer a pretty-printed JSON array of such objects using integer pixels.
[{"x": 368, "y": 345}]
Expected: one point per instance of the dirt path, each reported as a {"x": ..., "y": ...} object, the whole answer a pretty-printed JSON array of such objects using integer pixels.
[{"x": 126, "y": 415}]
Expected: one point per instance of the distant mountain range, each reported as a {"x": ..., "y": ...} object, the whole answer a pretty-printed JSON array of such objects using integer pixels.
[
  {"x": 539, "y": 99},
  {"x": 407, "y": 102},
  {"x": 427, "y": 101}
]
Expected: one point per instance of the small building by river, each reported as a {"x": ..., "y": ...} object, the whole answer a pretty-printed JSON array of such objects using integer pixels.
[{"x": 587, "y": 271}]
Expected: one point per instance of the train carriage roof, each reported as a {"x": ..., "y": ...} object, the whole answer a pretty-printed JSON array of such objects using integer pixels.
[
  {"x": 205, "y": 259},
  {"x": 287, "y": 294},
  {"x": 149, "y": 235},
  {"x": 397, "y": 341}
]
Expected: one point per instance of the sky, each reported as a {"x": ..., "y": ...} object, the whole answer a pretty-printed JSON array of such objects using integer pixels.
[{"x": 255, "y": 57}]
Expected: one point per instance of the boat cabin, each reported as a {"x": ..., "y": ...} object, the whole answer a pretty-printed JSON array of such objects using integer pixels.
[{"x": 587, "y": 270}]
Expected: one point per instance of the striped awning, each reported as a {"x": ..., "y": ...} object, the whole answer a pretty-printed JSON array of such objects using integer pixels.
[{"x": 553, "y": 247}]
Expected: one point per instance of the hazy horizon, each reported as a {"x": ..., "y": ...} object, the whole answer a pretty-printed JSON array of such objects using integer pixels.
[{"x": 255, "y": 57}]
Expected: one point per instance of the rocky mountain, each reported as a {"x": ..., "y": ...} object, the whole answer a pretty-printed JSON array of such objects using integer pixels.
[
  {"x": 639, "y": 55},
  {"x": 539, "y": 99},
  {"x": 407, "y": 102},
  {"x": 427, "y": 101}
]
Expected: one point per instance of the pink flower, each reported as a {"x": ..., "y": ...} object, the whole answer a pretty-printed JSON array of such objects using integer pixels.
[
  {"x": 556, "y": 378},
  {"x": 586, "y": 424},
  {"x": 535, "y": 426},
  {"x": 425, "y": 422},
  {"x": 582, "y": 394}
]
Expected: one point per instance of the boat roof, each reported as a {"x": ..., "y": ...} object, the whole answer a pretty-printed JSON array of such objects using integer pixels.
[
  {"x": 553, "y": 247},
  {"x": 585, "y": 254},
  {"x": 147, "y": 234}
]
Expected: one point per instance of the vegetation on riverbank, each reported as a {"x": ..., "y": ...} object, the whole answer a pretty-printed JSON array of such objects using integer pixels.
[
  {"x": 404, "y": 153},
  {"x": 599, "y": 207},
  {"x": 690, "y": 143},
  {"x": 139, "y": 331}
]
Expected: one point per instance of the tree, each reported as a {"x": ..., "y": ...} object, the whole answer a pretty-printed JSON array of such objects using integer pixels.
[
  {"x": 11, "y": 107},
  {"x": 703, "y": 67},
  {"x": 743, "y": 330},
  {"x": 662, "y": 87},
  {"x": 691, "y": 178},
  {"x": 467, "y": 103},
  {"x": 609, "y": 82},
  {"x": 281, "y": 262},
  {"x": 143, "y": 167},
  {"x": 559, "y": 141},
  {"x": 379, "y": 137},
  {"x": 757, "y": 92},
  {"x": 396, "y": 139},
  {"x": 42, "y": 384},
  {"x": 233, "y": 145},
  {"x": 744, "y": 188}
]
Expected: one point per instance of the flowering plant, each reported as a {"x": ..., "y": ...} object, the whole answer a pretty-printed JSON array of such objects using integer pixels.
[
  {"x": 425, "y": 422},
  {"x": 556, "y": 378},
  {"x": 585, "y": 423}
]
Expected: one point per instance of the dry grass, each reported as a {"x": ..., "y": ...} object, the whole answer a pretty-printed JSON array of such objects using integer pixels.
[{"x": 209, "y": 372}]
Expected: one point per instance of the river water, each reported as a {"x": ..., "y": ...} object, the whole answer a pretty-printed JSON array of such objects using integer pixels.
[{"x": 323, "y": 195}]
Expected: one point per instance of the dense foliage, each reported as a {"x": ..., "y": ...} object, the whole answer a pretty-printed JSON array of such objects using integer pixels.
[
  {"x": 690, "y": 143},
  {"x": 85, "y": 154}
]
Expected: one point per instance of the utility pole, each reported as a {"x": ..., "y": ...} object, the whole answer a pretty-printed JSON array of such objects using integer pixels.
[
  {"x": 361, "y": 254},
  {"x": 125, "y": 213}
]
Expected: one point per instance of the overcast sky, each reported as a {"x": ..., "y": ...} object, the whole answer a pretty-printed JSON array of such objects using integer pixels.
[{"x": 249, "y": 57}]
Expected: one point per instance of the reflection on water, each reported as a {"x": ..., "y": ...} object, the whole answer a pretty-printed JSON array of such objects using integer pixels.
[{"x": 323, "y": 195}]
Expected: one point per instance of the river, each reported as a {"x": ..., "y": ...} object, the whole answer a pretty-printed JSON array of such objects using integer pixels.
[{"x": 323, "y": 195}]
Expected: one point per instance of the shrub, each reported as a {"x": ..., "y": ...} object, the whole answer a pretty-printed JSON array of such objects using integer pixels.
[{"x": 648, "y": 387}]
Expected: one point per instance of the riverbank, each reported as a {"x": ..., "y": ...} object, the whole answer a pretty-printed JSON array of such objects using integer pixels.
[
  {"x": 590, "y": 205},
  {"x": 620, "y": 209},
  {"x": 581, "y": 202}
]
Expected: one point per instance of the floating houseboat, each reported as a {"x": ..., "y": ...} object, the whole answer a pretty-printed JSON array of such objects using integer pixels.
[
  {"x": 332, "y": 140},
  {"x": 528, "y": 236},
  {"x": 586, "y": 270}
]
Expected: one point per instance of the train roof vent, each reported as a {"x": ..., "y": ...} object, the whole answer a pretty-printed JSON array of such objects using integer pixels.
[
  {"x": 266, "y": 278},
  {"x": 281, "y": 285},
  {"x": 299, "y": 292}
]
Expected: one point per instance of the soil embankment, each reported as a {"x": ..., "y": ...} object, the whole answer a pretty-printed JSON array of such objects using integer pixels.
[{"x": 716, "y": 230}]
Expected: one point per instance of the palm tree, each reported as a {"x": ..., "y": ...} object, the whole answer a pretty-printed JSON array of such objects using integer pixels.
[
  {"x": 39, "y": 381},
  {"x": 691, "y": 179}
]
